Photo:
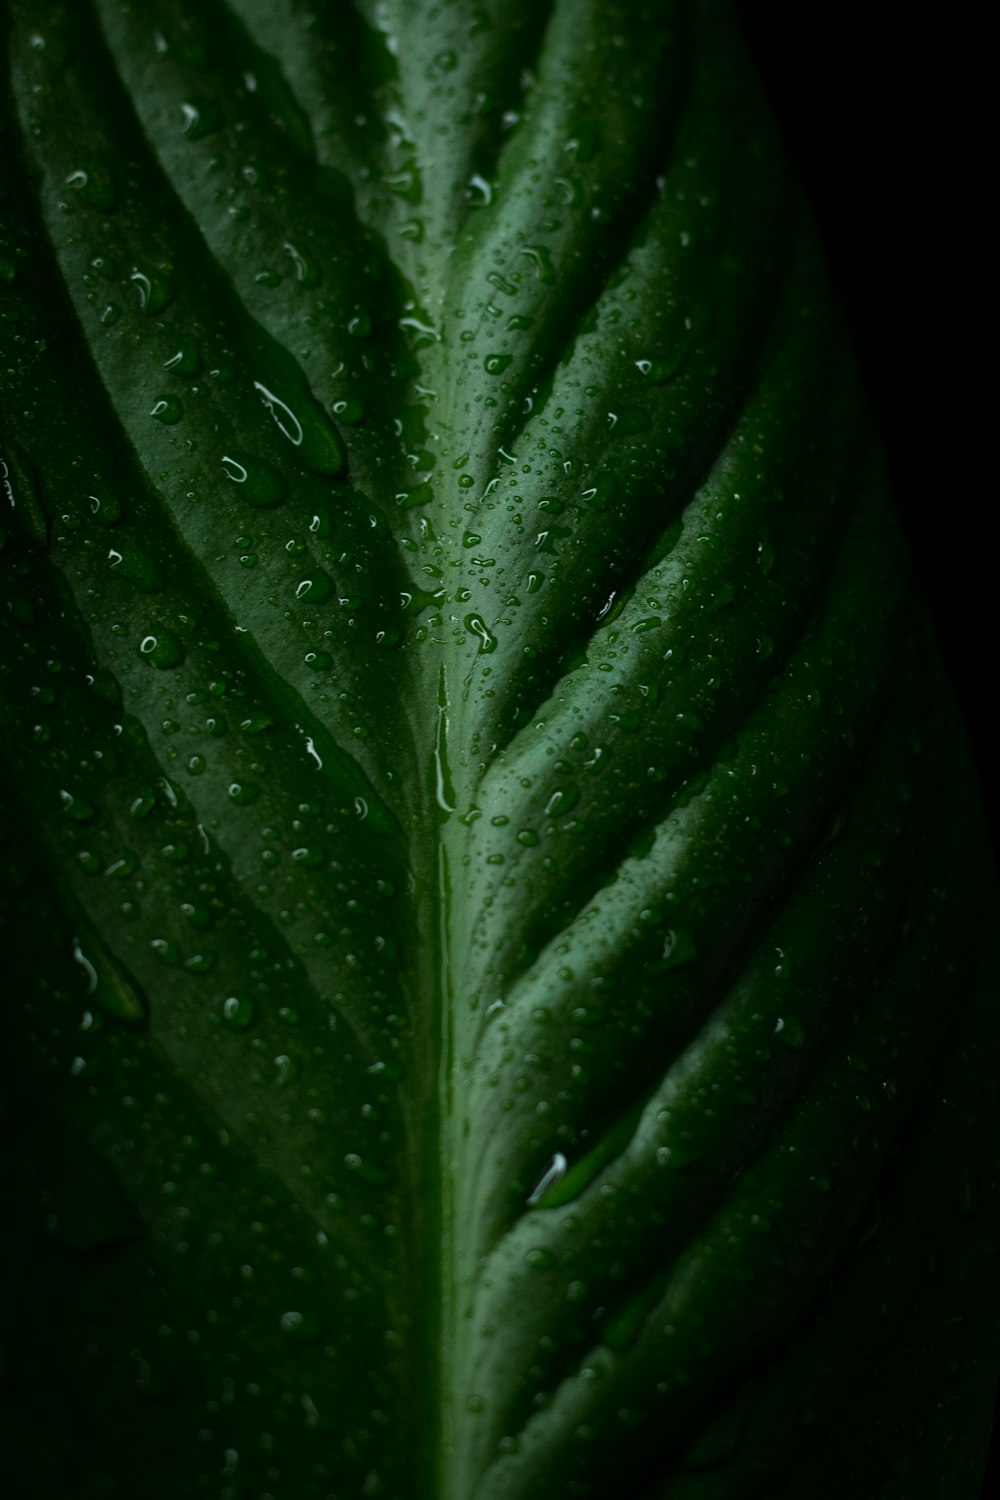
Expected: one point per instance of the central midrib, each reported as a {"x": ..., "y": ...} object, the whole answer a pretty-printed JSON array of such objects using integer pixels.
[{"x": 436, "y": 1376}]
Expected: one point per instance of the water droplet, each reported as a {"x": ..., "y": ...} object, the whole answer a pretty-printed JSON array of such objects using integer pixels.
[
  {"x": 306, "y": 272},
  {"x": 106, "y": 508},
  {"x": 109, "y": 982},
  {"x": 585, "y": 142},
  {"x": 88, "y": 968},
  {"x": 285, "y": 1070},
  {"x": 495, "y": 364},
  {"x": 791, "y": 1031},
  {"x": 542, "y": 262},
  {"x": 257, "y": 722},
  {"x": 553, "y": 1174},
  {"x": 310, "y": 857},
  {"x": 238, "y": 1013},
  {"x": 316, "y": 589},
  {"x": 95, "y": 183},
  {"x": 300, "y": 1325},
  {"x": 201, "y": 117},
  {"x": 561, "y": 801},
  {"x": 366, "y": 1169},
  {"x": 285, "y": 419},
  {"x": 476, "y": 626},
  {"x": 167, "y": 409},
  {"x": 142, "y": 806},
  {"x": 75, "y": 807},
  {"x": 478, "y": 191},
  {"x": 166, "y": 951},
  {"x": 628, "y": 419},
  {"x": 53, "y": 45},
  {"x": 186, "y": 360},
  {"x": 243, "y": 792},
  {"x": 349, "y": 412},
  {"x": 155, "y": 291},
  {"x": 660, "y": 371},
  {"x": 260, "y": 485},
  {"x": 163, "y": 649}
]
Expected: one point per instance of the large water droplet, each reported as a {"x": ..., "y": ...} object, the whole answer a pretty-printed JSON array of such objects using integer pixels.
[
  {"x": 162, "y": 649},
  {"x": 167, "y": 409},
  {"x": 186, "y": 359},
  {"x": 109, "y": 983},
  {"x": 300, "y": 1325},
  {"x": 476, "y": 625},
  {"x": 200, "y": 118},
  {"x": 75, "y": 807},
  {"x": 95, "y": 182},
  {"x": 238, "y": 1012},
  {"x": 155, "y": 291},
  {"x": 260, "y": 485},
  {"x": 554, "y": 1173},
  {"x": 315, "y": 589}
]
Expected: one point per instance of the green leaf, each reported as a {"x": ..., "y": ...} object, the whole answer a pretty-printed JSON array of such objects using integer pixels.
[{"x": 494, "y": 904}]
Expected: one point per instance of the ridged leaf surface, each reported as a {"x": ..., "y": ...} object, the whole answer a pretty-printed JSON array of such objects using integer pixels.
[{"x": 490, "y": 866}]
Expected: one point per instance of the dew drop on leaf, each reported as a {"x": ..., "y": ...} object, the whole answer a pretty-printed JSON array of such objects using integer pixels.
[
  {"x": 299, "y": 1325},
  {"x": 316, "y": 589},
  {"x": 260, "y": 485},
  {"x": 350, "y": 412},
  {"x": 162, "y": 648},
  {"x": 185, "y": 360},
  {"x": 95, "y": 183},
  {"x": 77, "y": 808},
  {"x": 109, "y": 983},
  {"x": 155, "y": 291},
  {"x": 476, "y": 626},
  {"x": 238, "y": 1012},
  {"x": 200, "y": 118},
  {"x": 243, "y": 792},
  {"x": 167, "y": 409},
  {"x": 166, "y": 951}
]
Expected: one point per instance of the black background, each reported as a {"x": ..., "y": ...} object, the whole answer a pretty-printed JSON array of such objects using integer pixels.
[
  {"x": 880, "y": 115},
  {"x": 883, "y": 118}
]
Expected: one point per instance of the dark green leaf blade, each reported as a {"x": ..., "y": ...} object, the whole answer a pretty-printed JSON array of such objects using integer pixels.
[{"x": 480, "y": 873}]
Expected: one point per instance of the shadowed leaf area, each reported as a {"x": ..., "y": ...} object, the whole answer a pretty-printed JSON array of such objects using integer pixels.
[{"x": 492, "y": 886}]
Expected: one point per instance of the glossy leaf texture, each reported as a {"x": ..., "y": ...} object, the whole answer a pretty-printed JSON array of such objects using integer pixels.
[{"x": 494, "y": 896}]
